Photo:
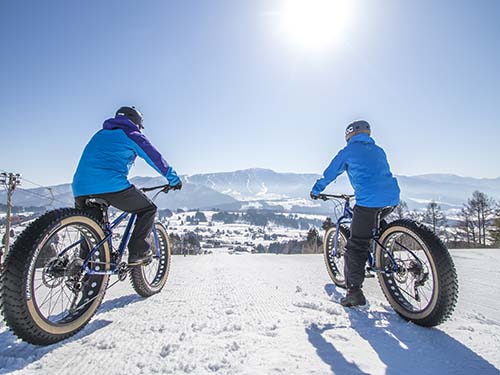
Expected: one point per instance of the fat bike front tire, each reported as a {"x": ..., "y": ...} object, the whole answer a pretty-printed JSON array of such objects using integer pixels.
[
  {"x": 150, "y": 278},
  {"x": 335, "y": 262}
]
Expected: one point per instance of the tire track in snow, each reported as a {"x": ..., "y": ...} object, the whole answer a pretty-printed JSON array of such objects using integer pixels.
[{"x": 253, "y": 314}]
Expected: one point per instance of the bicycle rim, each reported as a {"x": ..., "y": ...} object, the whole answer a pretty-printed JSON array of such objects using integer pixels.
[
  {"x": 59, "y": 297},
  {"x": 413, "y": 288}
]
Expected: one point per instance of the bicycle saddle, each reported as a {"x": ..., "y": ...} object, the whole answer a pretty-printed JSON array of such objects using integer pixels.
[
  {"x": 386, "y": 211},
  {"x": 97, "y": 202}
]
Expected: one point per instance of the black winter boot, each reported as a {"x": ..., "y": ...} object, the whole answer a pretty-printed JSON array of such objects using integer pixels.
[
  {"x": 140, "y": 259},
  {"x": 354, "y": 297}
]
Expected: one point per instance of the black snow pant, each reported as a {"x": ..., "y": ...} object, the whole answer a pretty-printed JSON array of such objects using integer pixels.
[
  {"x": 129, "y": 200},
  {"x": 364, "y": 221}
]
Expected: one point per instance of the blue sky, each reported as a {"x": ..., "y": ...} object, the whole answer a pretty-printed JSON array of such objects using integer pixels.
[{"x": 222, "y": 88}]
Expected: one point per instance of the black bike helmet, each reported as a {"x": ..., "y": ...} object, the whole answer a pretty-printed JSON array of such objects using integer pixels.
[
  {"x": 132, "y": 114},
  {"x": 357, "y": 127}
]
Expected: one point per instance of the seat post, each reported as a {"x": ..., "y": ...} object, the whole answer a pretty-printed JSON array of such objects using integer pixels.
[
  {"x": 376, "y": 230},
  {"x": 105, "y": 215},
  {"x": 102, "y": 205},
  {"x": 381, "y": 214}
]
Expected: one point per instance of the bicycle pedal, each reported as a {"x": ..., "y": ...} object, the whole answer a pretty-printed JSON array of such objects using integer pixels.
[
  {"x": 139, "y": 263},
  {"x": 369, "y": 275}
]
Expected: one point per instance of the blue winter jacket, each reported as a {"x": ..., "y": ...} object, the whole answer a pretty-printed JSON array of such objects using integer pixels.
[
  {"x": 109, "y": 155},
  {"x": 368, "y": 170}
]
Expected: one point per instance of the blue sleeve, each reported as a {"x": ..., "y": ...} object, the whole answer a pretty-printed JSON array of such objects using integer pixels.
[
  {"x": 148, "y": 152},
  {"x": 336, "y": 168}
]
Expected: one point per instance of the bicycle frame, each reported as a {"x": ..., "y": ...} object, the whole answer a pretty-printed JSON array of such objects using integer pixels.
[
  {"x": 116, "y": 255},
  {"x": 346, "y": 218}
]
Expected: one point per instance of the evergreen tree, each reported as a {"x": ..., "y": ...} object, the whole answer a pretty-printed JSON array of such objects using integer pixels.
[
  {"x": 175, "y": 243},
  {"x": 260, "y": 248},
  {"x": 165, "y": 213},
  {"x": 200, "y": 217},
  {"x": 192, "y": 242},
  {"x": 495, "y": 227},
  {"x": 495, "y": 232},
  {"x": 313, "y": 240}
]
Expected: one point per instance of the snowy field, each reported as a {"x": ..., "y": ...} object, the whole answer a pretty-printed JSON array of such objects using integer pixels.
[{"x": 271, "y": 314}]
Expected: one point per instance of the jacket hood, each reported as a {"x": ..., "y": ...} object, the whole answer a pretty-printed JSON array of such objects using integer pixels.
[
  {"x": 363, "y": 138},
  {"x": 120, "y": 122}
]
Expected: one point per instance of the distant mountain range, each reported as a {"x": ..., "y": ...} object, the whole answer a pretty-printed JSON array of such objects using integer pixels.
[{"x": 264, "y": 188}]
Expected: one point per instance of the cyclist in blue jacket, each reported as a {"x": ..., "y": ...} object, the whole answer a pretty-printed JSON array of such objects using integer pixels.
[
  {"x": 103, "y": 173},
  {"x": 375, "y": 188}
]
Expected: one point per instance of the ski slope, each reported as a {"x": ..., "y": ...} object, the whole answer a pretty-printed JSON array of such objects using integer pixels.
[{"x": 271, "y": 314}]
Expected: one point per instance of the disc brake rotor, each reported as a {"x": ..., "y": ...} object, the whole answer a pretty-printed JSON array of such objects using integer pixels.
[
  {"x": 53, "y": 272},
  {"x": 401, "y": 275}
]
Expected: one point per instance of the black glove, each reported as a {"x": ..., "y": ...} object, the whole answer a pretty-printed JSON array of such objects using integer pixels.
[
  {"x": 313, "y": 196},
  {"x": 177, "y": 186}
]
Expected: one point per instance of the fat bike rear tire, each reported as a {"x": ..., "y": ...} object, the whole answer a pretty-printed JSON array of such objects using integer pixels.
[
  {"x": 42, "y": 303},
  {"x": 425, "y": 288}
]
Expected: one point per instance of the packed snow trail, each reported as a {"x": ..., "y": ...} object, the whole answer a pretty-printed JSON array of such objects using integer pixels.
[{"x": 271, "y": 314}]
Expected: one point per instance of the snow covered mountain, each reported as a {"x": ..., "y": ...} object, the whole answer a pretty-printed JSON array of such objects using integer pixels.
[
  {"x": 289, "y": 189},
  {"x": 191, "y": 196},
  {"x": 264, "y": 188},
  {"x": 446, "y": 189},
  {"x": 257, "y": 184}
]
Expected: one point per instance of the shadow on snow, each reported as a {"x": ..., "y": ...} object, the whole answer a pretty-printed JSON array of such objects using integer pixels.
[{"x": 403, "y": 347}]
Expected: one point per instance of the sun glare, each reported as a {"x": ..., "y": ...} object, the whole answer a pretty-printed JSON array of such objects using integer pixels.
[{"x": 314, "y": 24}]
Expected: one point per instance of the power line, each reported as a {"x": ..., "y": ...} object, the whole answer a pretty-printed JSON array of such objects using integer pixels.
[
  {"x": 51, "y": 198},
  {"x": 34, "y": 183}
]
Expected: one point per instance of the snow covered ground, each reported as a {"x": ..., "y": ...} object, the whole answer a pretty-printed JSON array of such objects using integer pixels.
[{"x": 271, "y": 314}]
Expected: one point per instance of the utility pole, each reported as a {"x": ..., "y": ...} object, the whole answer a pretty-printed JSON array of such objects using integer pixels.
[{"x": 10, "y": 181}]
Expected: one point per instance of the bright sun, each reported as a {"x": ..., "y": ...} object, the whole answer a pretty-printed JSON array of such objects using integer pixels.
[{"x": 314, "y": 24}]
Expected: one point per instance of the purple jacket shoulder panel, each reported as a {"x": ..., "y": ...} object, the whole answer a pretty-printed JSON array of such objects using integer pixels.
[
  {"x": 141, "y": 144},
  {"x": 149, "y": 152}
]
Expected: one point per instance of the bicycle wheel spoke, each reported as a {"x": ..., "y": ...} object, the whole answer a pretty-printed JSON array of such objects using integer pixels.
[
  {"x": 47, "y": 297},
  {"x": 51, "y": 308},
  {"x": 67, "y": 303},
  {"x": 50, "y": 298},
  {"x": 39, "y": 286}
]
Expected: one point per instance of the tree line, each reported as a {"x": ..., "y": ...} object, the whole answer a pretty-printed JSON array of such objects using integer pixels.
[
  {"x": 476, "y": 223},
  {"x": 312, "y": 244},
  {"x": 263, "y": 218}
]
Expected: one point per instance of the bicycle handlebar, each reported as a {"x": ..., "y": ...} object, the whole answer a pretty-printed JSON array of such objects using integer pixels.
[
  {"x": 326, "y": 197},
  {"x": 165, "y": 188}
]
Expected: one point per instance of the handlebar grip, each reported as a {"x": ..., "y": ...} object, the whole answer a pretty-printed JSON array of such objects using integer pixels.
[{"x": 146, "y": 189}]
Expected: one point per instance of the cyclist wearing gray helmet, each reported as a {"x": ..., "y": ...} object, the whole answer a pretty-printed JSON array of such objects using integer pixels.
[{"x": 374, "y": 187}]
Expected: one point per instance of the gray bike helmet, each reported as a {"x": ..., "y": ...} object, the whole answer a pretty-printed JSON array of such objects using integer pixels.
[
  {"x": 357, "y": 127},
  {"x": 132, "y": 114}
]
